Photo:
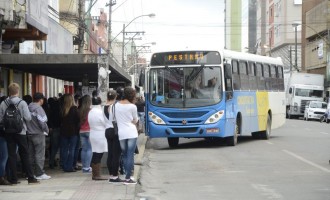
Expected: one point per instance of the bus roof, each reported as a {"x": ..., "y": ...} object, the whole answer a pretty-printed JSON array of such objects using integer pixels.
[{"x": 251, "y": 57}]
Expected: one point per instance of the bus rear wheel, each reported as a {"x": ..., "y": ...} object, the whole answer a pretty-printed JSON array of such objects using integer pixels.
[
  {"x": 232, "y": 140},
  {"x": 173, "y": 142},
  {"x": 266, "y": 134}
]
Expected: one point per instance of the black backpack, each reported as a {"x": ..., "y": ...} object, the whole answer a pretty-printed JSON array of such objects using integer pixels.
[{"x": 12, "y": 119}]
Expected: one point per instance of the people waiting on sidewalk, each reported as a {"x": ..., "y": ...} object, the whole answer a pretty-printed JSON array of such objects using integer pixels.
[
  {"x": 70, "y": 126},
  {"x": 127, "y": 117},
  {"x": 37, "y": 129},
  {"x": 114, "y": 150},
  {"x": 97, "y": 137},
  {"x": 86, "y": 151},
  {"x": 18, "y": 139}
]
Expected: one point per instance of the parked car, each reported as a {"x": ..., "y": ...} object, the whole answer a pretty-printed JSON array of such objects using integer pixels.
[{"x": 315, "y": 110}]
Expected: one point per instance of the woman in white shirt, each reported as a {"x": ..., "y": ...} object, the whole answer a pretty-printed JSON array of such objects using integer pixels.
[
  {"x": 97, "y": 127},
  {"x": 127, "y": 117}
]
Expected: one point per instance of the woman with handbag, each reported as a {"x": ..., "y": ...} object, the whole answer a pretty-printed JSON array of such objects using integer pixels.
[
  {"x": 111, "y": 133},
  {"x": 127, "y": 117},
  {"x": 97, "y": 137}
]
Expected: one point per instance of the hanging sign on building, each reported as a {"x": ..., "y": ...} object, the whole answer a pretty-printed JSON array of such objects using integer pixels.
[{"x": 320, "y": 50}]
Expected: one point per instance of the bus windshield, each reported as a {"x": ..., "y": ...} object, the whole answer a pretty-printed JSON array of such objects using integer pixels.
[{"x": 185, "y": 87}]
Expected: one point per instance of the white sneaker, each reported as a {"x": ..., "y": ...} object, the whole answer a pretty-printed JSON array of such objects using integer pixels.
[{"x": 43, "y": 177}]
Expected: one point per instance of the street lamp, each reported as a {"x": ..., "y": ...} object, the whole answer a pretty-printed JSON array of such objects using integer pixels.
[
  {"x": 123, "y": 31},
  {"x": 295, "y": 25}
]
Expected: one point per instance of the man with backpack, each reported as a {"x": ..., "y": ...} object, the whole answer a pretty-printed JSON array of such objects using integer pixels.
[
  {"x": 11, "y": 110},
  {"x": 37, "y": 130}
]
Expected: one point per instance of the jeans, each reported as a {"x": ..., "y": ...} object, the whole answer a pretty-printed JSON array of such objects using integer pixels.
[
  {"x": 3, "y": 156},
  {"x": 86, "y": 150},
  {"x": 128, "y": 148},
  {"x": 114, "y": 152},
  {"x": 76, "y": 153},
  {"x": 68, "y": 145},
  {"x": 54, "y": 146},
  {"x": 37, "y": 148},
  {"x": 12, "y": 141},
  {"x": 141, "y": 121}
]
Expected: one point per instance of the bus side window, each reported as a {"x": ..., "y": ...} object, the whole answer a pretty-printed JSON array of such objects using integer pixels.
[
  {"x": 273, "y": 78},
  {"x": 228, "y": 81},
  {"x": 236, "y": 78},
  {"x": 267, "y": 76},
  {"x": 260, "y": 78},
  {"x": 243, "y": 75},
  {"x": 252, "y": 76},
  {"x": 280, "y": 78}
]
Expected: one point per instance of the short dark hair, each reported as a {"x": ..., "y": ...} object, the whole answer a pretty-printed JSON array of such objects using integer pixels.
[
  {"x": 111, "y": 95},
  {"x": 96, "y": 101},
  {"x": 37, "y": 96},
  {"x": 129, "y": 94}
]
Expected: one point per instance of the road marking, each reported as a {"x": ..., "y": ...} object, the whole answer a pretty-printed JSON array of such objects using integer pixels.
[
  {"x": 266, "y": 191},
  {"x": 324, "y": 133},
  {"x": 306, "y": 161},
  {"x": 269, "y": 142}
]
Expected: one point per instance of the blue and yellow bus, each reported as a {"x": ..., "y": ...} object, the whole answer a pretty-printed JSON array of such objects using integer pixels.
[{"x": 213, "y": 94}]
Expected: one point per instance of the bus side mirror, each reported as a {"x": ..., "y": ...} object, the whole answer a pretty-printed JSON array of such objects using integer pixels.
[
  {"x": 141, "y": 78},
  {"x": 227, "y": 69}
]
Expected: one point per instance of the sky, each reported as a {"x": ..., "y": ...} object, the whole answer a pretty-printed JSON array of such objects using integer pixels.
[{"x": 178, "y": 24}]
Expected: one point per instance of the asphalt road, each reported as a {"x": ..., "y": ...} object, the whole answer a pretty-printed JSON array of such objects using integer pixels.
[{"x": 293, "y": 164}]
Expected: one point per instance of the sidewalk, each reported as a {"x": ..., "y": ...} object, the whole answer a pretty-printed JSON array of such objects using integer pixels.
[{"x": 76, "y": 185}]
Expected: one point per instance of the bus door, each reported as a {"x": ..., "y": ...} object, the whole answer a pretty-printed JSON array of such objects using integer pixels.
[{"x": 230, "y": 111}]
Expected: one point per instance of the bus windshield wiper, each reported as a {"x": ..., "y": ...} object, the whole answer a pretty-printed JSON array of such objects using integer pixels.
[{"x": 196, "y": 73}]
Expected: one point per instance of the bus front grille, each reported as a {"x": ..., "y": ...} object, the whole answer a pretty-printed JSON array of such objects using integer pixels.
[
  {"x": 184, "y": 115},
  {"x": 184, "y": 130}
]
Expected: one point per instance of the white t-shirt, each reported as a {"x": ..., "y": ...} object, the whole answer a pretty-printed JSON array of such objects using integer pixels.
[{"x": 125, "y": 115}]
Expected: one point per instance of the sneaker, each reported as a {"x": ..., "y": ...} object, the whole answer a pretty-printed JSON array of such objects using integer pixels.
[
  {"x": 117, "y": 180},
  {"x": 33, "y": 181},
  {"x": 43, "y": 177},
  {"x": 129, "y": 182},
  {"x": 88, "y": 170}
]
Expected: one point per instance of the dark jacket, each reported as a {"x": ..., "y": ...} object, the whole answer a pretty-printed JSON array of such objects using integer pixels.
[{"x": 70, "y": 123}]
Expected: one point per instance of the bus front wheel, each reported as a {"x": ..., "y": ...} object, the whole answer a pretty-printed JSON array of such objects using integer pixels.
[
  {"x": 173, "y": 142},
  {"x": 266, "y": 134},
  {"x": 232, "y": 140}
]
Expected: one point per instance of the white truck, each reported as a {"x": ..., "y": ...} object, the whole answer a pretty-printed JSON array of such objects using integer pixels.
[{"x": 302, "y": 88}]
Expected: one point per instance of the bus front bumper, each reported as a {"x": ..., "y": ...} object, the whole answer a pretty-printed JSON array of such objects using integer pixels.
[{"x": 197, "y": 131}]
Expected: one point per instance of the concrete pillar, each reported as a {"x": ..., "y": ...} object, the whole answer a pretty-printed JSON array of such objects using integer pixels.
[{"x": 103, "y": 76}]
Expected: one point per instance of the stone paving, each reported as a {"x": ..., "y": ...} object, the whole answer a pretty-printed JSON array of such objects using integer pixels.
[{"x": 75, "y": 185}]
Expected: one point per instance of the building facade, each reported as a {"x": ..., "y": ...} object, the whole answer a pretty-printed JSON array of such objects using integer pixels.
[
  {"x": 315, "y": 33},
  {"x": 276, "y": 35}
]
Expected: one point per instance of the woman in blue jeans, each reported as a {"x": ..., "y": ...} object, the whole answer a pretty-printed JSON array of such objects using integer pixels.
[
  {"x": 86, "y": 148},
  {"x": 69, "y": 132},
  {"x": 127, "y": 117}
]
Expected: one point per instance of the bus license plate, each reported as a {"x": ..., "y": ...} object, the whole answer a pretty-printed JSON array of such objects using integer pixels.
[{"x": 212, "y": 130}]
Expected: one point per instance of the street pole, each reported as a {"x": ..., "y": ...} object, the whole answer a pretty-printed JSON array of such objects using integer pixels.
[
  {"x": 296, "y": 49},
  {"x": 81, "y": 24},
  {"x": 123, "y": 48},
  {"x": 111, "y": 3}
]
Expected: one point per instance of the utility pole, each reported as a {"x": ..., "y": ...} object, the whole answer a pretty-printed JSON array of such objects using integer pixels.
[
  {"x": 110, "y": 4},
  {"x": 81, "y": 24},
  {"x": 131, "y": 38}
]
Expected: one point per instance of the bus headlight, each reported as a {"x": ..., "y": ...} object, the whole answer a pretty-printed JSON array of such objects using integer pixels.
[
  {"x": 155, "y": 118},
  {"x": 215, "y": 117}
]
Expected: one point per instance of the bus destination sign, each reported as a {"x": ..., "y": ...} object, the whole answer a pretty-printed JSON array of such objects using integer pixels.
[{"x": 185, "y": 58}]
